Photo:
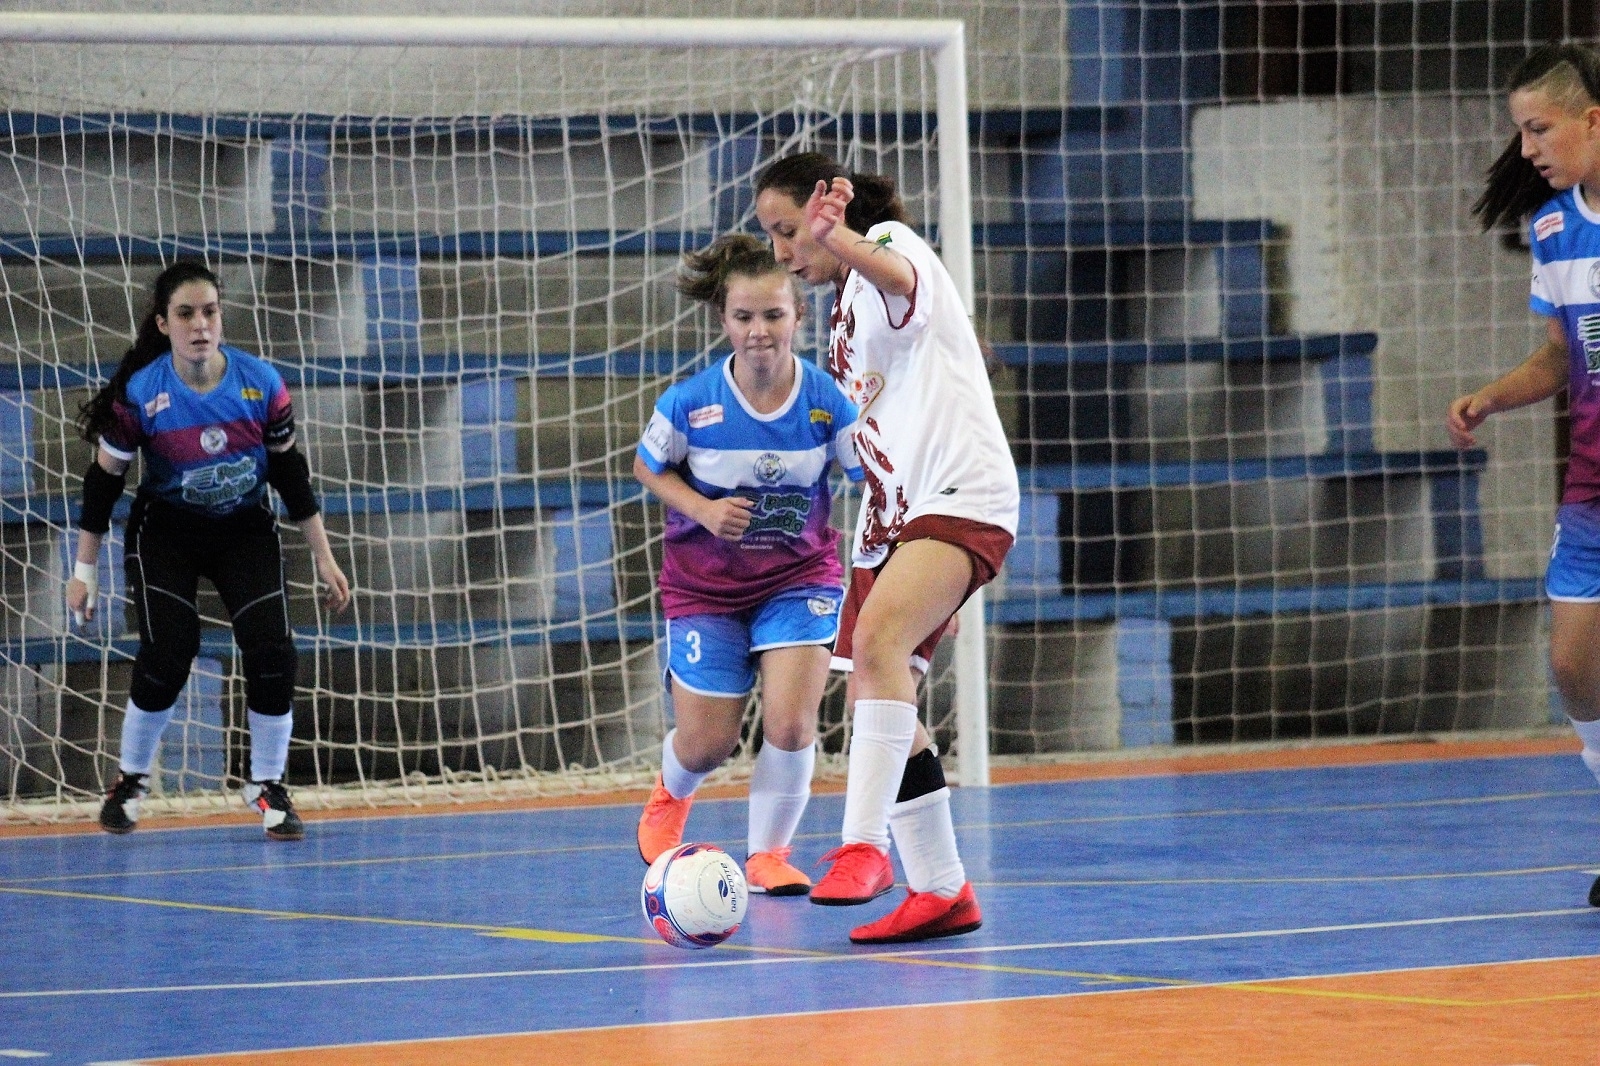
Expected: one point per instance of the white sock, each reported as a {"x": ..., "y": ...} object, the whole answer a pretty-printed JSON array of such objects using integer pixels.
[
  {"x": 678, "y": 781},
  {"x": 269, "y": 744},
  {"x": 926, "y": 839},
  {"x": 1589, "y": 733},
  {"x": 780, "y": 788},
  {"x": 141, "y": 736},
  {"x": 880, "y": 741}
]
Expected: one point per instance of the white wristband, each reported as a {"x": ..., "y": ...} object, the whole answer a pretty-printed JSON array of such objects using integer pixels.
[{"x": 89, "y": 574}]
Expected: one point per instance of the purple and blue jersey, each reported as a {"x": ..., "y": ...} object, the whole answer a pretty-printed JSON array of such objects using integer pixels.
[
  {"x": 705, "y": 430},
  {"x": 204, "y": 452},
  {"x": 1566, "y": 286}
]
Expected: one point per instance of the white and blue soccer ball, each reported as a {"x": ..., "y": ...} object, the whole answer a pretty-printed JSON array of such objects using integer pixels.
[{"x": 694, "y": 896}]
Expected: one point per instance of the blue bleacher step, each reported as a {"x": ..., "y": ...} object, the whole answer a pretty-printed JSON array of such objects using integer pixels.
[
  {"x": 1135, "y": 669},
  {"x": 1374, "y": 516}
]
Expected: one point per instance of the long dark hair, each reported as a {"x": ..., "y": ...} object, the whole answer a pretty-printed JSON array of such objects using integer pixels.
[
  {"x": 1513, "y": 189},
  {"x": 97, "y": 413},
  {"x": 796, "y": 176},
  {"x": 706, "y": 272}
]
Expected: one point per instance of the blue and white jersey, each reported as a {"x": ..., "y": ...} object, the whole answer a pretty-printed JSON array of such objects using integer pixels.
[
  {"x": 1566, "y": 286},
  {"x": 706, "y": 430},
  {"x": 204, "y": 452}
]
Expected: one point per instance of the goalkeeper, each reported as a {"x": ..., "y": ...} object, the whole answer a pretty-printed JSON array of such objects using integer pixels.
[
  {"x": 750, "y": 573},
  {"x": 216, "y": 428}
]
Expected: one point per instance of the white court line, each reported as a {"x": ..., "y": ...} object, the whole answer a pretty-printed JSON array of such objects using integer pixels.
[{"x": 878, "y": 956}]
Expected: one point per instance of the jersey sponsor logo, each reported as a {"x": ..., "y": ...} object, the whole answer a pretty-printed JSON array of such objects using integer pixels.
[
  {"x": 217, "y": 487},
  {"x": 701, "y": 417},
  {"x": 819, "y": 415},
  {"x": 822, "y": 606},
  {"x": 247, "y": 393},
  {"x": 1589, "y": 334},
  {"x": 884, "y": 238},
  {"x": 782, "y": 512},
  {"x": 214, "y": 440},
  {"x": 160, "y": 403},
  {"x": 1545, "y": 226},
  {"x": 770, "y": 467}
]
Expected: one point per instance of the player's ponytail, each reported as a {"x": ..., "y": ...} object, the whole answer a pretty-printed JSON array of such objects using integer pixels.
[
  {"x": 1513, "y": 189},
  {"x": 98, "y": 413},
  {"x": 796, "y": 176},
  {"x": 705, "y": 273}
]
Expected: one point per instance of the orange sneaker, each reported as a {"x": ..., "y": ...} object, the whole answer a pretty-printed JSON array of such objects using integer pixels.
[
  {"x": 861, "y": 873},
  {"x": 661, "y": 824},
  {"x": 923, "y": 916},
  {"x": 770, "y": 872}
]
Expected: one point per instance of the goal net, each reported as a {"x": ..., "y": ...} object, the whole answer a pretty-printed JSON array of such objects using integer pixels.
[{"x": 457, "y": 241}]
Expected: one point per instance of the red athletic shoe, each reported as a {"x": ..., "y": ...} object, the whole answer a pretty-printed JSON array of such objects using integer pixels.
[
  {"x": 923, "y": 916},
  {"x": 661, "y": 824},
  {"x": 861, "y": 873}
]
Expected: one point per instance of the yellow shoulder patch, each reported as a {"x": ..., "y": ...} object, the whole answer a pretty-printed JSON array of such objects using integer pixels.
[
  {"x": 247, "y": 393},
  {"x": 819, "y": 415}
]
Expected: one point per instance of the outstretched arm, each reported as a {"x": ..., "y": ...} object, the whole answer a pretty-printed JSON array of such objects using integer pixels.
[
  {"x": 726, "y": 518},
  {"x": 1539, "y": 377},
  {"x": 885, "y": 268}
]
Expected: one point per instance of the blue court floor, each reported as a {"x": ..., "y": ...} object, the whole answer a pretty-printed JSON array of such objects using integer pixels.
[{"x": 399, "y": 928}]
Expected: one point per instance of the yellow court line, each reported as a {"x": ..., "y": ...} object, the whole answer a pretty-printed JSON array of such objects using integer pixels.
[
  {"x": 965, "y": 827},
  {"x": 1134, "y": 882}
]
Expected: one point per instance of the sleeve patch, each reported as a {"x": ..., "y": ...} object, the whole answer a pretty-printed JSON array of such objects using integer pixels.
[{"x": 1552, "y": 223}]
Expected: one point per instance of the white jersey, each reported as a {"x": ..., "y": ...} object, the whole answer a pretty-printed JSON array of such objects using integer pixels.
[{"x": 928, "y": 435}]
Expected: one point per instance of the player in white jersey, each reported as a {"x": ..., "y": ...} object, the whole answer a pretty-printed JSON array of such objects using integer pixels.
[
  {"x": 939, "y": 516},
  {"x": 1550, "y": 173},
  {"x": 750, "y": 574}
]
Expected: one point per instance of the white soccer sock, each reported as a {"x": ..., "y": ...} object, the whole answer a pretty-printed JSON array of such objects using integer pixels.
[
  {"x": 269, "y": 744},
  {"x": 141, "y": 736},
  {"x": 780, "y": 788},
  {"x": 1589, "y": 733},
  {"x": 880, "y": 740},
  {"x": 925, "y": 836},
  {"x": 678, "y": 781}
]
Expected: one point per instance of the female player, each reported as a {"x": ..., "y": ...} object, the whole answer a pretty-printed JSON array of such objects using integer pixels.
[
  {"x": 216, "y": 428},
  {"x": 1551, "y": 172},
  {"x": 940, "y": 513},
  {"x": 750, "y": 572}
]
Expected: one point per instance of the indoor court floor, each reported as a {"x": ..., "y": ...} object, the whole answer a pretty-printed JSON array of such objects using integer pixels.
[{"x": 1390, "y": 904}]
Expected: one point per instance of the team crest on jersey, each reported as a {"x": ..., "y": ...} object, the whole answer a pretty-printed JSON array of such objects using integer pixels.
[
  {"x": 1589, "y": 333},
  {"x": 701, "y": 417},
  {"x": 1551, "y": 223},
  {"x": 1594, "y": 278},
  {"x": 770, "y": 467},
  {"x": 160, "y": 403},
  {"x": 865, "y": 388},
  {"x": 213, "y": 440}
]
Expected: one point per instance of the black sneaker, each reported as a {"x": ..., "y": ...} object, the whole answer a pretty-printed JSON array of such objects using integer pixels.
[
  {"x": 120, "y": 812},
  {"x": 1594, "y": 893},
  {"x": 277, "y": 810}
]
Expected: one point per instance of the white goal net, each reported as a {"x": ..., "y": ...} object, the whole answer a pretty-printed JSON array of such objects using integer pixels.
[{"x": 457, "y": 241}]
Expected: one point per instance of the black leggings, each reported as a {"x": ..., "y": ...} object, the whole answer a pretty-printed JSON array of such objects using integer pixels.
[{"x": 167, "y": 551}]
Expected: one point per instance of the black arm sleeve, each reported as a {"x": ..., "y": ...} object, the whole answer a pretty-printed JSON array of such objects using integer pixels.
[
  {"x": 290, "y": 474},
  {"x": 101, "y": 491}
]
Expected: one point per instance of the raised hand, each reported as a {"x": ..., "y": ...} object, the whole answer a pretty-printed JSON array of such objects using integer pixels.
[{"x": 825, "y": 209}]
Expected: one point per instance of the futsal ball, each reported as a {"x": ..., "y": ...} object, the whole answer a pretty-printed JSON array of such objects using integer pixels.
[{"x": 694, "y": 896}]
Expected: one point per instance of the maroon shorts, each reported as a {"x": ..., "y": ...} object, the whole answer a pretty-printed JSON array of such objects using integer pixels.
[{"x": 984, "y": 544}]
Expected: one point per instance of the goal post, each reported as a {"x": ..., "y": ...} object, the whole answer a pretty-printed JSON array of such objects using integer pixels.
[{"x": 456, "y": 238}]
